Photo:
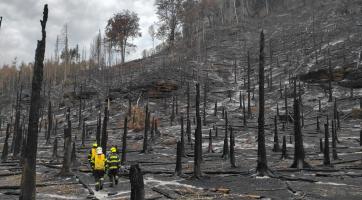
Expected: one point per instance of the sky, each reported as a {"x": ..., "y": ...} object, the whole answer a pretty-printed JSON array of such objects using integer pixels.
[{"x": 21, "y": 29}]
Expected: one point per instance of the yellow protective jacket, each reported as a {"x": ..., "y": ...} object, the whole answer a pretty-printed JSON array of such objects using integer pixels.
[
  {"x": 113, "y": 161},
  {"x": 99, "y": 162},
  {"x": 91, "y": 154}
]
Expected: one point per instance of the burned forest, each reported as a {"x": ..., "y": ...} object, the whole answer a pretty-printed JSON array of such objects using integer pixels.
[{"x": 181, "y": 99}]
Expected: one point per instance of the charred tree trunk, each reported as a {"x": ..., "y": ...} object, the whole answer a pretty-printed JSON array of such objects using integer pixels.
[
  {"x": 178, "y": 170},
  {"x": 249, "y": 89},
  {"x": 153, "y": 129},
  {"x": 210, "y": 148},
  {"x": 137, "y": 184},
  {"x": 334, "y": 142},
  {"x": 215, "y": 109},
  {"x": 198, "y": 137},
  {"x": 225, "y": 152},
  {"x": 65, "y": 171},
  {"x": 176, "y": 99},
  {"x": 83, "y": 133},
  {"x": 124, "y": 141},
  {"x": 104, "y": 130},
  {"x": 145, "y": 136},
  {"x": 232, "y": 151},
  {"x": 55, "y": 149},
  {"x": 98, "y": 133},
  {"x": 299, "y": 154},
  {"x": 183, "y": 154},
  {"x": 73, "y": 157},
  {"x": 240, "y": 101},
  {"x": 284, "y": 148},
  {"x": 204, "y": 107},
  {"x": 244, "y": 112},
  {"x": 29, "y": 169},
  {"x": 330, "y": 99},
  {"x": 276, "y": 147},
  {"x": 286, "y": 104},
  {"x": 262, "y": 166},
  {"x": 50, "y": 122},
  {"x": 318, "y": 126},
  {"x": 188, "y": 121},
  {"x": 4, "y": 155},
  {"x": 172, "y": 118},
  {"x": 17, "y": 131},
  {"x": 321, "y": 145},
  {"x": 326, "y": 160}
]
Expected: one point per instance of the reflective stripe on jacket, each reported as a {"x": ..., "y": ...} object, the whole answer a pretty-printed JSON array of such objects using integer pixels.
[{"x": 113, "y": 161}]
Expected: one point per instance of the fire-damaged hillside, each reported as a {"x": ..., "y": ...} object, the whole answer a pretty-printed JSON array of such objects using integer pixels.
[{"x": 243, "y": 100}]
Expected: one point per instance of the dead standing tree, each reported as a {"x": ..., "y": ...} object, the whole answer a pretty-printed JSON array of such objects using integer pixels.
[
  {"x": 147, "y": 126},
  {"x": 124, "y": 141},
  {"x": 249, "y": 90},
  {"x": 104, "y": 130},
  {"x": 4, "y": 155},
  {"x": 98, "y": 133},
  {"x": 262, "y": 166},
  {"x": 198, "y": 137},
  {"x": 50, "y": 122},
  {"x": 299, "y": 154},
  {"x": 65, "y": 171},
  {"x": 29, "y": 168},
  {"x": 137, "y": 183},
  {"x": 188, "y": 121}
]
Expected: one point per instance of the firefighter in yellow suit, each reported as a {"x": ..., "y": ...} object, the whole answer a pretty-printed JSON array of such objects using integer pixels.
[
  {"x": 91, "y": 155},
  {"x": 99, "y": 161},
  {"x": 112, "y": 166}
]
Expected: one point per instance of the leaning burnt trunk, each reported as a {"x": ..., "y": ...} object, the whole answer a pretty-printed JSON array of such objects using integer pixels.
[
  {"x": 29, "y": 169},
  {"x": 262, "y": 167},
  {"x": 198, "y": 137}
]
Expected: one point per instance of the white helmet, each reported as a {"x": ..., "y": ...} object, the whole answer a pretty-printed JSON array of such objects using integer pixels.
[{"x": 99, "y": 150}]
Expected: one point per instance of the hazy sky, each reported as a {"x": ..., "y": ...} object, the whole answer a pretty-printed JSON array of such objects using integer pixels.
[{"x": 21, "y": 28}]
